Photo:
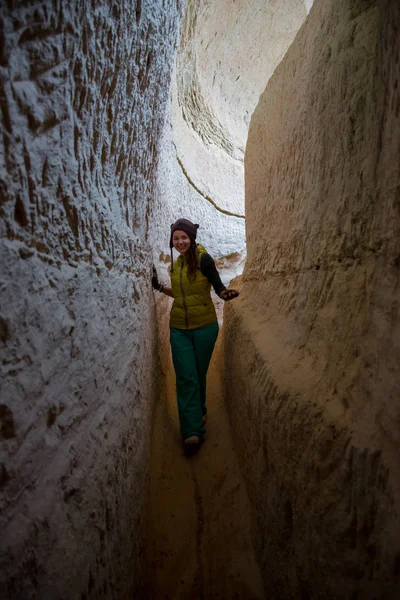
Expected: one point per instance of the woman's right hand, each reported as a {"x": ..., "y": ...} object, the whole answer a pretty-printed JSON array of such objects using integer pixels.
[
  {"x": 154, "y": 280},
  {"x": 160, "y": 287}
]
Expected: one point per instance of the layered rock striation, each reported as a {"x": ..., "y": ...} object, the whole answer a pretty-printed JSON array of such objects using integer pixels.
[
  {"x": 313, "y": 342},
  {"x": 83, "y": 93}
]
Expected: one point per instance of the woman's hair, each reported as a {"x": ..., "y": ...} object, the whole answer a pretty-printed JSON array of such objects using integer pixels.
[{"x": 192, "y": 261}]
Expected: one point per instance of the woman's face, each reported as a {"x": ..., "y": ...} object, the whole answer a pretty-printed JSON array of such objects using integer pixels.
[{"x": 181, "y": 241}]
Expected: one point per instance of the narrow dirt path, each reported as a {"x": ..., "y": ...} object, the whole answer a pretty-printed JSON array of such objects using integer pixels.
[{"x": 199, "y": 544}]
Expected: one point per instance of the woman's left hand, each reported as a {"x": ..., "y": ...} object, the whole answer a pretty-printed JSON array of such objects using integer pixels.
[{"x": 229, "y": 294}]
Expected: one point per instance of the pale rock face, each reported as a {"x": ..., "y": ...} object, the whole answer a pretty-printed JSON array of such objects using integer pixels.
[
  {"x": 308, "y": 4},
  {"x": 314, "y": 341},
  {"x": 84, "y": 88},
  {"x": 228, "y": 51},
  {"x": 221, "y": 234}
]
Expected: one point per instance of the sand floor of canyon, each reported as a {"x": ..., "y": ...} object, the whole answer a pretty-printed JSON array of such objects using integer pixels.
[{"x": 200, "y": 518}]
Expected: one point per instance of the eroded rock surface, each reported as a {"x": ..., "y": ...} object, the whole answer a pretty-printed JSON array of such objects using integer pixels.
[
  {"x": 314, "y": 339},
  {"x": 227, "y": 52},
  {"x": 83, "y": 92}
]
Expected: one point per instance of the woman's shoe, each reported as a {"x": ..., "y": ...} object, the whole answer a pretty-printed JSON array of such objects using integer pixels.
[
  {"x": 192, "y": 440},
  {"x": 191, "y": 445}
]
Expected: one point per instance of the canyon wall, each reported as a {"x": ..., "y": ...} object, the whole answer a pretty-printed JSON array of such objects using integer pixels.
[
  {"x": 313, "y": 342},
  {"x": 84, "y": 88},
  {"x": 227, "y": 52}
]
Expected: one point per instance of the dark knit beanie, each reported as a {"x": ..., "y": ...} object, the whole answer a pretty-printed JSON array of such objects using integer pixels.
[{"x": 186, "y": 226}]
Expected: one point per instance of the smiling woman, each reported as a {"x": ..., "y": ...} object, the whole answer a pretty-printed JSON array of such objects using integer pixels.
[{"x": 193, "y": 325}]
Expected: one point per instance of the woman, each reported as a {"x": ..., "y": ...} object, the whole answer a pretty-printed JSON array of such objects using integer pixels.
[{"x": 193, "y": 325}]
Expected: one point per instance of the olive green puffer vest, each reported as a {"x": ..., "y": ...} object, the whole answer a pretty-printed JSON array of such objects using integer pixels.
[{"x": 192, "y": 307}]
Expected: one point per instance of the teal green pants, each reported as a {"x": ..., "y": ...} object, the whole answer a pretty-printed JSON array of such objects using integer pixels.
[{"x": 191, "y": 354}]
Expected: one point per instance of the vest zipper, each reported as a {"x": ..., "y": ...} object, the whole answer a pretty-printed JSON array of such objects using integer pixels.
[{"x": 183, "y": 297}]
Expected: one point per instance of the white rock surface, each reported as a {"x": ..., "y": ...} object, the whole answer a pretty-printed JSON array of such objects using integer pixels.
[
  {"x": 222, "y": 235},
  {"x": 228, "y": 51},
  {"x": 313, "y": 342},
  {"x": 84, "y": 87}
]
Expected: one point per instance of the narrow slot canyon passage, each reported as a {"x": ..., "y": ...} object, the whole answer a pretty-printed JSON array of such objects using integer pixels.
[
  {"x": 275, "y": 126},
  {"x": 200, "y": 532}
]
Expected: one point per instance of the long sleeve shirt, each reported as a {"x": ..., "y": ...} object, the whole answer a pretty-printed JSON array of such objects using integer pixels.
[{"x": 209, "y": 270}]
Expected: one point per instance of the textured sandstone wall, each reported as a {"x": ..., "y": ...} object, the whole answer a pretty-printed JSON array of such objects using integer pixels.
[
  {"x": 313, "y": 343},
  {"x": 228, "y": 50},
  {"x": 83, "y": 93}
]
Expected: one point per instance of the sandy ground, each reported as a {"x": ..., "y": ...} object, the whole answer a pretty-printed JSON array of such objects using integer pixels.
[{"x": 199, "y": 545}]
